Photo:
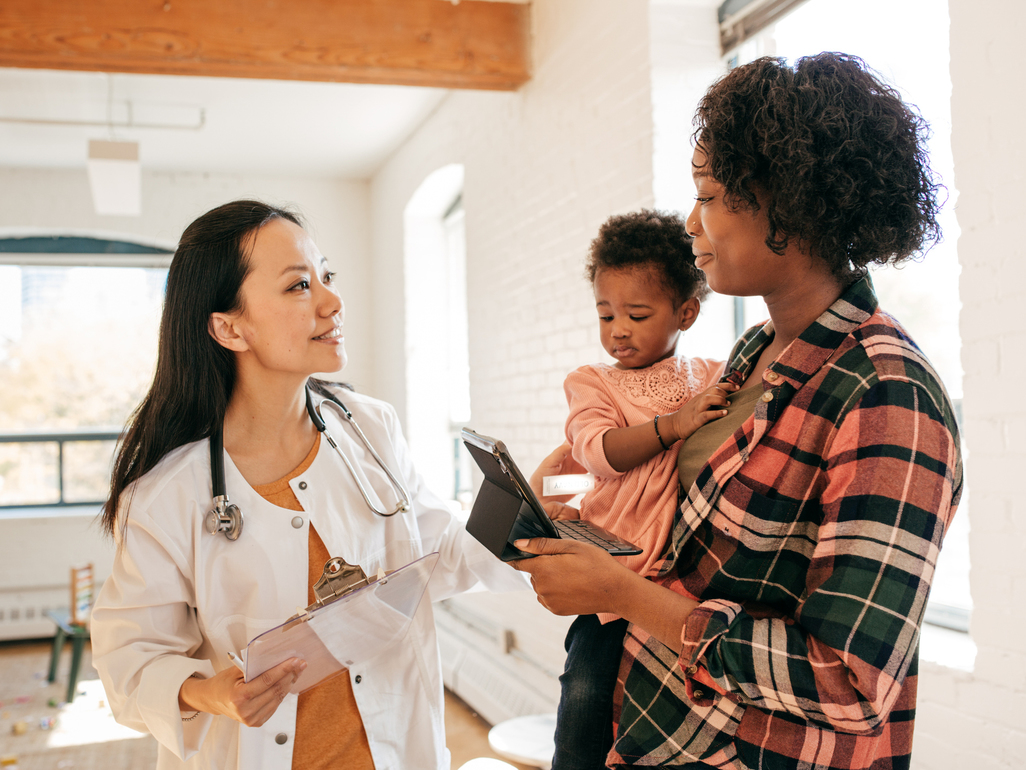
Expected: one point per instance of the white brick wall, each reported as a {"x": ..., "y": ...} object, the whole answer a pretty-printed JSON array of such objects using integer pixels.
[
  {"x": 543, "y": 168},
  {"x": 977, "y": 719},
  {"x": 546, "y": 165}
]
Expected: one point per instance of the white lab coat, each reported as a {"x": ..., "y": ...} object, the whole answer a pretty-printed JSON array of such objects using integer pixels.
[{"x": 179, "y": 599}]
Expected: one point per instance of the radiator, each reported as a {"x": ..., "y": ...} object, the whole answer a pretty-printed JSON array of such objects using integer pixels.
[
  {"x": 483, "y": 664},
  {"x": 38, "y": 547}
]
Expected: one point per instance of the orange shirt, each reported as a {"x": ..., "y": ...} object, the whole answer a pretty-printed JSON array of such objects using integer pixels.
[{"x": 329, "y": 728}]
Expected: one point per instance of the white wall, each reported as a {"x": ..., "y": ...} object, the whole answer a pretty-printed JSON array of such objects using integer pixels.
[
  {"x": 336, "y": 212},
  {"x": 977, "y": 719},
  {"x": 544, "y": 167}
]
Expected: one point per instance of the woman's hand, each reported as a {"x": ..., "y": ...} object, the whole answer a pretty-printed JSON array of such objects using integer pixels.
[
  {"x": 250, "y": 703},
  {"x": 573, "y": 578},
  {"x": 558, "y": 462},
  {"x": 711, "y": 404}
]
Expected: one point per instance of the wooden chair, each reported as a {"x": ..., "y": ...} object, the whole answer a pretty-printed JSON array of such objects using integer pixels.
[{"x": 72, "y": 624}]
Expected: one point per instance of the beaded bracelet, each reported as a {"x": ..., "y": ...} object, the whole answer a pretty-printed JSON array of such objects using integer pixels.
[
  {"x": 655, "y": 422},
  {"x": 193, "y": 675}
]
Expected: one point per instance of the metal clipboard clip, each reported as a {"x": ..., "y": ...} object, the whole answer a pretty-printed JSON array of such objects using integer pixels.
[
  {"x": 356, "y": 618},
  {"x": 338, "y": 579}
]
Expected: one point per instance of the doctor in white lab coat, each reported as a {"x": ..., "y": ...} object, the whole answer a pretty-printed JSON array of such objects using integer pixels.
[{"x": 179, "y": 599}]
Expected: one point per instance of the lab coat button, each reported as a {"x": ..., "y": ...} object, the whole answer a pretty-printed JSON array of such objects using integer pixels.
[
  {"x": 359, "y": 678},
  {"x": 297, "y": 522},
  {"x": 302, "y": 485},
  {"x": 281, "y": 739}
]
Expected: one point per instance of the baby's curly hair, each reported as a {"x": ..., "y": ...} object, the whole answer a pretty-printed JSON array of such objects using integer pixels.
[
  {"x": 839, "y": 159},
  {"x": 649, "y": 238}
]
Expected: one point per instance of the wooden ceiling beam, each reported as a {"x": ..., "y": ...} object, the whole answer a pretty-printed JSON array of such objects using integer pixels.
[{"x": 482, "y": 45}]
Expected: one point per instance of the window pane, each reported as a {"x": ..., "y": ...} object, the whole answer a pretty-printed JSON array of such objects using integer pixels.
[
  {"x": 77, "y": 350},
  {"x": 923, "y": 296},
  {"x": 77, "y": 344},
  {"x": 87, "y": 470},
  {"x": 28, "y": 474}
]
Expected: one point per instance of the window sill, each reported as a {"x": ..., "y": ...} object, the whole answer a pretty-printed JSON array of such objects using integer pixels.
[{"x": 948, "y": 648}]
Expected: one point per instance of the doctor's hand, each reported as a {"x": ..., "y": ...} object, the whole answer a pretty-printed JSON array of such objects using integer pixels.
[
  {"x": 228, "y": 694},
  {"x": 573, "y": 578}
]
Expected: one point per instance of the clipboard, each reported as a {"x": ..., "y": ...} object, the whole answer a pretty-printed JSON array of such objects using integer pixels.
[{"x": 355, "y": 619}]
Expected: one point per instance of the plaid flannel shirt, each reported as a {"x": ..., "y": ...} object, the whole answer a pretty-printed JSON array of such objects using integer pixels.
[{"x": 811, "y": 538}]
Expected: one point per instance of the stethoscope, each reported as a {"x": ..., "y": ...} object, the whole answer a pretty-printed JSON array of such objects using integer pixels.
[{"x": 226, "y": 517}]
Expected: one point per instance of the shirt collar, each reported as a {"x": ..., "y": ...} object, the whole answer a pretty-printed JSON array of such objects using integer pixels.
[{"x": 807, "y": 354}]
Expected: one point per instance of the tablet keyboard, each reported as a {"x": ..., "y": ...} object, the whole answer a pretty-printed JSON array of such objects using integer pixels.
[{"x": 586, "y": 532}]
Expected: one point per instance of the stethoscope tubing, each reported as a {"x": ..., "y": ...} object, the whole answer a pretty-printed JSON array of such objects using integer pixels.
[{"x": 227, "y": 518}]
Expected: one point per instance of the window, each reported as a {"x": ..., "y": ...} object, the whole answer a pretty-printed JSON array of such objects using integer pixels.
[
  {"x": 437, "y": 357},
  {"x": 922, "y": 295},
  {"x": 77, "y": 350}
]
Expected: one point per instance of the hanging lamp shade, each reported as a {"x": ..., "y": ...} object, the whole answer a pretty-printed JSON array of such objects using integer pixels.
[{"x": 115, "y": 177}]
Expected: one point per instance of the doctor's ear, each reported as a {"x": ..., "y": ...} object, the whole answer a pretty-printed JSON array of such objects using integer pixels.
[{"x": 222, "y": 328}]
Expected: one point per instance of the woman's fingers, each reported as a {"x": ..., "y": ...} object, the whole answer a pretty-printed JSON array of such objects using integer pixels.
[
  {"x": 572, "y": 578},
  {"x": 254, "y": 702}
]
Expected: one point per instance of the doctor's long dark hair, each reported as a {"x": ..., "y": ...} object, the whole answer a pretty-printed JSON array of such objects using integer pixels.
[{"x": 195, "y": 376}]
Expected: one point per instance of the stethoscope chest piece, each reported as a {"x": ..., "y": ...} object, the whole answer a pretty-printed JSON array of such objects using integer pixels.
[{"x": 224, "y": 518}]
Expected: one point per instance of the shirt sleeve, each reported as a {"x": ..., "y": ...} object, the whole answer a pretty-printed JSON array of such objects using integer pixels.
[
  {"x": 463, "y": 562},
  {"x": 143, "y": 631},
  {"x": 592, "y": 412},
  {"x": 893, "y": 476}
]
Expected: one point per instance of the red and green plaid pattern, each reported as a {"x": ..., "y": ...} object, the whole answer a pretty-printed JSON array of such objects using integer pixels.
[{"x": 811, "y": 537}]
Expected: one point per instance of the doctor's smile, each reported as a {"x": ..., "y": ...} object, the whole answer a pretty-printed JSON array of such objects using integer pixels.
[{"x": 332, "y": 335}]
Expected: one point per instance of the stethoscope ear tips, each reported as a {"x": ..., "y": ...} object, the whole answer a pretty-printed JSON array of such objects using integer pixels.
[{"x": 227, "y": 520}]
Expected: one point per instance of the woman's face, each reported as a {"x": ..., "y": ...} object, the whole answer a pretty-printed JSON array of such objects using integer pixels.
[
  {"x": 730, "y": 246},
  {"x": 291, "y": 317}
]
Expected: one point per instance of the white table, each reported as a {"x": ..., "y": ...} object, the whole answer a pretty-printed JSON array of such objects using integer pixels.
[{"x": 529, "y": 740}]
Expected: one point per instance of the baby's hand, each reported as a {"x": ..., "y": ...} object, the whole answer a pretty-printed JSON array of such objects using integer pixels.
[
  {"x": 711, "y": 404},
  {"x": 558, "y": 461}
]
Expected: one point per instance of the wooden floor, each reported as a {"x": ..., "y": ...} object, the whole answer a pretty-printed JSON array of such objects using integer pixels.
[{"x": 84, "y": 736}]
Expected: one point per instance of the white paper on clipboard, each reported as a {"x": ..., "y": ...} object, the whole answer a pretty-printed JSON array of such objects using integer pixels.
[{"x": 348, "y": 631}]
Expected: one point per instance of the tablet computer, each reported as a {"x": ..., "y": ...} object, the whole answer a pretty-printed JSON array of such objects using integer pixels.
[{"x": 506, "y": 508}]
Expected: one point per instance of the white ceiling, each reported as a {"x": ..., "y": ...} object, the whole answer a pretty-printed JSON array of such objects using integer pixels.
[{"x": 252, "y": 126}]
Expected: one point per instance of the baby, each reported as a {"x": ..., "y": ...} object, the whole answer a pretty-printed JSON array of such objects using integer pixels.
[{"x": 625, "y": 426}]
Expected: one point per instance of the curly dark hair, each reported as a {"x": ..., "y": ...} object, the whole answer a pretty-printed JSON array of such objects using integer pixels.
[
  {"x": 649, "y": 238},
  {"x": 839, "y": 160}
]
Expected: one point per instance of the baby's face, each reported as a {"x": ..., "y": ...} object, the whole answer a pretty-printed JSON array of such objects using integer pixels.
[{"x": 638, "y": 320}]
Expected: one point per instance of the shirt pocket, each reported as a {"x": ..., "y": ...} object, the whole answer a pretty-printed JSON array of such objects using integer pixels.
[{"x": 759, "y": 524}]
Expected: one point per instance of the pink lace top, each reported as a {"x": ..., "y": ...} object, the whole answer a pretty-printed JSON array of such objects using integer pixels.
[{"x": 637, "y": 504}]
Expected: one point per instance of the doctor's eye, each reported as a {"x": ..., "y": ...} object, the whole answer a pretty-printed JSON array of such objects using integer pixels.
[{"x": 329, "y": 277}]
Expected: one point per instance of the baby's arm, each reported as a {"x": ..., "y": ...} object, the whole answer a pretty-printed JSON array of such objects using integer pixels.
[{"x": 629, "y": 447}]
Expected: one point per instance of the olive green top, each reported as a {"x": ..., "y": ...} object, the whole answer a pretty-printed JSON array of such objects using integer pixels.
[{"x": 699, "y": 446}]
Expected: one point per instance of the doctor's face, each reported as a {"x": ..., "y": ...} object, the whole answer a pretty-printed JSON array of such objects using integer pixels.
[{"x": 291, "y": 321}]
